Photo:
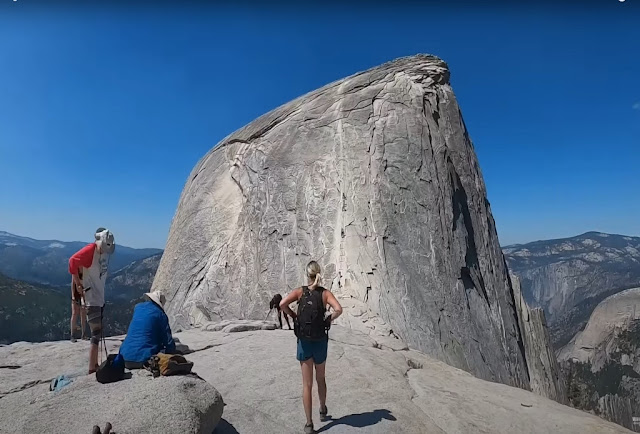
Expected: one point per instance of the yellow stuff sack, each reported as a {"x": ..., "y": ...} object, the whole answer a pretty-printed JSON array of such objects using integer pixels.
[{"x": 169, "y": 364}]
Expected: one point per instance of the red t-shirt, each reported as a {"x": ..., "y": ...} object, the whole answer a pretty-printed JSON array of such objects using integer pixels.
[{"x": 82, "y": 258}]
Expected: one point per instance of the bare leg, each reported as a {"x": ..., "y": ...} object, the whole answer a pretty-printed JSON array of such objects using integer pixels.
[
  {"x": 74, "y": 315},
  {"x": 95, "y": 325},
  {"x": 83, "y": 320},
  {"x": 322, "y": 384},
  {"x": 307, "y": 387},
  {"x": 93, "y": 358}
]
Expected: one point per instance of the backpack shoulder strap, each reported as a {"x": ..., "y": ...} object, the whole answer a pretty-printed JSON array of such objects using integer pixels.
[
  {"x": 305, "y": 290},
  {"x": 320, "y": 292}
]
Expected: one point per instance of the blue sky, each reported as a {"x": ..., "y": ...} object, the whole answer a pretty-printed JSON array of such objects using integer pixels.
[{"x": 104, "y": 112}]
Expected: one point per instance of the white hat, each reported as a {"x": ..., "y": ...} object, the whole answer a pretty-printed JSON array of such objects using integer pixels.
[
  {"x": 157, "y": 297},
  {"x": 106, "y": 241}
]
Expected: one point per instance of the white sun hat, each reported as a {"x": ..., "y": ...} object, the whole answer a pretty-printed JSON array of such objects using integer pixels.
[{"x": 157, "y": 297}]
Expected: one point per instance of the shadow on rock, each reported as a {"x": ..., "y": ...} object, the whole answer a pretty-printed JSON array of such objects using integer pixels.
[
  {"x": 225, "y": 427},
  {"x": 182, "y": 348},
  {"x": 359, "y": 420}
]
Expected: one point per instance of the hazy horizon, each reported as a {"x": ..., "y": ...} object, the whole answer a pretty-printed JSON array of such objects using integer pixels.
[{"x": 88, "y": 239}]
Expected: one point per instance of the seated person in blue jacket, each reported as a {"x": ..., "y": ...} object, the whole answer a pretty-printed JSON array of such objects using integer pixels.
[{"x": 149, "y": 332}]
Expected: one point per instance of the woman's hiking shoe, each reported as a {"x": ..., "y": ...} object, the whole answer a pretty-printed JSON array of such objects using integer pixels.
[
  {"x": 308, "y": 429},
  {"x": 324, "y": 414}
]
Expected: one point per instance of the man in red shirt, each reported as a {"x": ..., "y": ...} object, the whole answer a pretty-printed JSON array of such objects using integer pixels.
[{"x": 93, "y": 261}]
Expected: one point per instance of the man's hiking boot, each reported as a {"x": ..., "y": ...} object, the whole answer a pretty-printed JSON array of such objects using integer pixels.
[
  {"x": 308, "y": 429},
  {"x": 107, "y": 429},
  {"x": 324, "y": 414}
]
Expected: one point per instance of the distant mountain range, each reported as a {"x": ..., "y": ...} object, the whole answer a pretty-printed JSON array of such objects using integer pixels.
[
  {"x": 36, "y": 313},
  {"x": 568, "y": 277},
  {"x": 47, "y": 261},
  {"x": 602, "y": 362},
  {"x": 133, "y": 280},
  {"x": 36, "y": 294}
]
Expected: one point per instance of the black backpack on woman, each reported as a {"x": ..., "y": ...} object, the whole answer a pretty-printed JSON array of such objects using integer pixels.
[{"x": 310, "y": 324}]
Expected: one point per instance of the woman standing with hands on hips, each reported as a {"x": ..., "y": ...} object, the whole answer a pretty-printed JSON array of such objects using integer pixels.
[{"x": 310, "y": 326}]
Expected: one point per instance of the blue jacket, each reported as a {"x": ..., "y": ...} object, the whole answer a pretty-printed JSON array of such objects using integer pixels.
[{"x": 148, "y": 334}]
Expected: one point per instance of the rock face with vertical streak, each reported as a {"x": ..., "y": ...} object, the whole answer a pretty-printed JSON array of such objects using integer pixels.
[
  {"x": 616, "y": 409},
  {"x": 375, "y": 177},
  {"x": 545, "y": 376}
]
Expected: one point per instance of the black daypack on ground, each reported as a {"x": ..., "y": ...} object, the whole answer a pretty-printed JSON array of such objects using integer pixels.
[
  {"x": 310, "y": 324},
  {"x": 110, "y": 370}
]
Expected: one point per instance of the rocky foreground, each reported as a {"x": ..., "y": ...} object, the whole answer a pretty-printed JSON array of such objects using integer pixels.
[{"x": 375, "y": 386}]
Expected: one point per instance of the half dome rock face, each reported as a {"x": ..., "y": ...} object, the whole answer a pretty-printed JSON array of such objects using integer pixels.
[{"x": 373, "y": 176}]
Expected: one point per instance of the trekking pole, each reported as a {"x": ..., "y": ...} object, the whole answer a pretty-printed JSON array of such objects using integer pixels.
[
  {"x": 100, "y": 349},
  {"x": 104, "y": 341}
]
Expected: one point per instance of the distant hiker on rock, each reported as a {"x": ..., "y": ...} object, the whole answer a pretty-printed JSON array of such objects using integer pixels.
[
  {"x": 149, "y": 332},
  {"x": 93, "y": 261},
  {"x": 310, "y": 326},
  {"x": 77, "y": 309}
]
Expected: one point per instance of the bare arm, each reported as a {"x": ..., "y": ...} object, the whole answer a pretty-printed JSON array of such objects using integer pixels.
[
  {"x": 81, "y": 259},
  {"x": 335, "y": 304},
  {"x": 290, "y": 298}
]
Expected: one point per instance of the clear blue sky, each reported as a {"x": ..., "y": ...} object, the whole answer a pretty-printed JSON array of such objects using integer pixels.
[{"x": 104, "y": 112}]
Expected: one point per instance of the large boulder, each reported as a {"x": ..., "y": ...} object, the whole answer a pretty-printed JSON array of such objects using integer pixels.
[
  {"x": 375, "y": 177},
  {"x": 138, "y": 404}
]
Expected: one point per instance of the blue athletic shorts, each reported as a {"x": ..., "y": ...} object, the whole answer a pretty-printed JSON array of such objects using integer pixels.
[{"x": 312, "y": 349}]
